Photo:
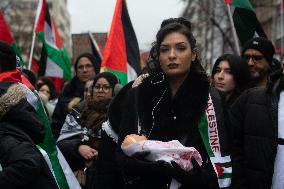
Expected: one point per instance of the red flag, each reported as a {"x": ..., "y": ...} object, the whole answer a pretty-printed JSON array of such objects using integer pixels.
[
  {"x": 35, "y": 66},
  {"x": 58, "y": 39},
  {"x": 228, "y": 2},
  {"x": 5, "y": 34}
]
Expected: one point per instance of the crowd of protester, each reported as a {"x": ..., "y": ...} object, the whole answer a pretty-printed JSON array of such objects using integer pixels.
[{"x": 233, "y": 119}]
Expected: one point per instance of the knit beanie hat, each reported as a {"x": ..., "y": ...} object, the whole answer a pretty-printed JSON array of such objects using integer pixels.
[
  {"x": 8, "y": 60},
  {"x": 263, "y": 45},
  {"x": 92, "y": 58},
  {"x": 111, "y": 78}
]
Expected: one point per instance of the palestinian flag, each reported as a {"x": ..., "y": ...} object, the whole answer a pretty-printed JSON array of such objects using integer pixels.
[
  {"x": 245, "y": 20},
  {"x": 55, "y": 62},
  {"x": 6, "y": 36},
  {"x": 214, "y": 141},
  {"x": 121, "y": 55}
]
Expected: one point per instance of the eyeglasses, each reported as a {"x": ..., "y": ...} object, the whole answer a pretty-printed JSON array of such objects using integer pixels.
[
  {"x": 105, "y": 88},
  {"x": 255, "y": 58},
  {"x": 87, "y": 67}
]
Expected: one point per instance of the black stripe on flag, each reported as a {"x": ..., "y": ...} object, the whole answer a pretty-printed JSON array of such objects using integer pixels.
[
  {"x": 95, "y": 52},
  {"x": 132, "y": 48},
  {"x": 247, "y": 24},
  {"x": 226, "y": 165},
  {"x": 42, "y": 62}
]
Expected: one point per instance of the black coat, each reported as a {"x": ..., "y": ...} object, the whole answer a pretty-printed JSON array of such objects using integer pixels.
[
  {"x": 23, "y": 164},
  {"x": 73, "y": 89},
  {"x": 163, "y": 118},
  {"x": 254, "y": 120},
  {"x": 108, "y": 173}
]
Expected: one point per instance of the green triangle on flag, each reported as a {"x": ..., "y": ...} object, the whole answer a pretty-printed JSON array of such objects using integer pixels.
[{"x": 58, "y": 63}]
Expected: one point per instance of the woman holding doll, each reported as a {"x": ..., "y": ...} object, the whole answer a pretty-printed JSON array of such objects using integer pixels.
[{"x": 173, "y": 102}]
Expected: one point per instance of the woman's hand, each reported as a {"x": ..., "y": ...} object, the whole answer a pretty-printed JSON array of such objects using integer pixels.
[{"x": 87, "y": 152}]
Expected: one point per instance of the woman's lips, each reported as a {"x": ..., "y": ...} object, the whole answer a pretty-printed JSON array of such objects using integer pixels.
[
  {"x": 219, "y": 85},
  {"x": 172, "y": 65}
]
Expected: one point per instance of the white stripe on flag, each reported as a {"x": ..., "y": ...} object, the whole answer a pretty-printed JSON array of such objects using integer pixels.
[
  {"x": 224, "y": 183},
  {"x": 220, "y": 159},
  {"x": 49, "y": 36},
  {"x": 69, "y": 175},
  {"x": 31, "y": 97},
  {"x": 52, "y": 69},
  {"x": 45, "y": 156},
  {"x": 131, "y": 73}
]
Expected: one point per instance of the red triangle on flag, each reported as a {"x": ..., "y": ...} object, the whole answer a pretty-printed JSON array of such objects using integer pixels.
[
  {"x": 40, "y": 17},
  {"x": 219, "y": 169},
  {"x": 228, "y": 1},
  {"x": 5, "y": 34},
  {"x": 115, "y": 56}
]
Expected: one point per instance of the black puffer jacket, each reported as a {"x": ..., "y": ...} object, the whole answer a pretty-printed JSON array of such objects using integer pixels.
[
  {"x": 20, "y": 129},
  {"x": 165, "y": 118},
  {"x": 254, "y": 120}
]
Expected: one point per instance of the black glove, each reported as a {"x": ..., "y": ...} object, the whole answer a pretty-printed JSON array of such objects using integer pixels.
[
  {"x": 138, "y": 165},
  {"x": 195, "y": 178}
]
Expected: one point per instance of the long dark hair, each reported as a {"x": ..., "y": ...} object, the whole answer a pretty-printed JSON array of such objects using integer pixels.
[
  {"x": 240, "y": 72},
  {"x": 180, "y": 25}
]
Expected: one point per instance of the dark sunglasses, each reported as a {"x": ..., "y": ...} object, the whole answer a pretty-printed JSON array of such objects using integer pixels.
[{"x": 255, "y": 58}]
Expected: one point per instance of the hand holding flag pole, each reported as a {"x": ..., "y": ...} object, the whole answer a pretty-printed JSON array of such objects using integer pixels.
[{"x": 228, "y": 2}]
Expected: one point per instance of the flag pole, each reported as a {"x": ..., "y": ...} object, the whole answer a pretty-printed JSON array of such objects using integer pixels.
[
  {"x": 233, "y": 29},
  {"x": 96, "y": 45},
  {"x": 34, "y": 36},
  {"x": 31, "y": 52},
  {"x": 282, "y": 30}
]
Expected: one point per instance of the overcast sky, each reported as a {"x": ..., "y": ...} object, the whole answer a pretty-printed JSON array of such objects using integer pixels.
[{"x": 146, "y": 16}]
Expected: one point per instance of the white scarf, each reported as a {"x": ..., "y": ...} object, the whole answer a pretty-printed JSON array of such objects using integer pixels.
[{"x": 278, "y": 176}]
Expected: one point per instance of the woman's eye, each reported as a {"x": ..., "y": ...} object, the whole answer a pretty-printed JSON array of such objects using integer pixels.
[
  {"x": 228, "y": 71},
  {"x": 164, "y": 49},
  {"x": 218, "y": 70},
  {"x": 181, "y": 48}
]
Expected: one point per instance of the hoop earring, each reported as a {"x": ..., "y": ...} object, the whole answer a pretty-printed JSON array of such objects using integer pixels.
[{"x": 158, "y": 81}]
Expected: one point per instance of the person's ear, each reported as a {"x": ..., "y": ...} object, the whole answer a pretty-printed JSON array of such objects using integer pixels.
[{"x": 193, "y": 54}]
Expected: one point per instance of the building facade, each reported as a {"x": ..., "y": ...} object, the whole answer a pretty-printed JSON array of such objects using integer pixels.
[{"x": 20, "y": 16}]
